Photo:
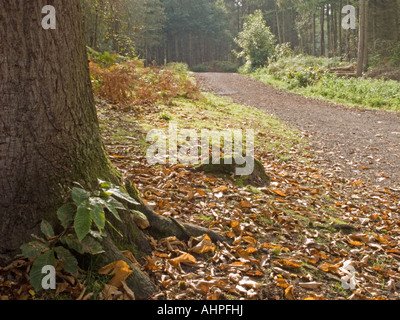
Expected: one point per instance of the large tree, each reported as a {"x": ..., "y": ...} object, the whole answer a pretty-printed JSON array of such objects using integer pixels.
[{"x": 49, "y": 135}]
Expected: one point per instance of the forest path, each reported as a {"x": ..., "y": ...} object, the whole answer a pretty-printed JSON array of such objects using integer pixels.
[{"x": 359, "y": 144}]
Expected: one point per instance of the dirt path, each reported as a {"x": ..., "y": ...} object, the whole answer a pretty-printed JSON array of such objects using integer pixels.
[{"x": 359, "y": 144}]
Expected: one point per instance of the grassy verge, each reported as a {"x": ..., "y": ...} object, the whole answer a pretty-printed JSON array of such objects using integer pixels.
[
  {"x": 309, "y": 77},
  {"x": 272, "y": 137},
  {"x": 216, "y": 113}
]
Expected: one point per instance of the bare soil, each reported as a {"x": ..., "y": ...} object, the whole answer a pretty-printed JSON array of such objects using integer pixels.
[{"x": 359, "y": 144}]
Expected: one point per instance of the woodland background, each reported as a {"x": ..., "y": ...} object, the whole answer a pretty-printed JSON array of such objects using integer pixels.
[{"x": 199, "y": 32}]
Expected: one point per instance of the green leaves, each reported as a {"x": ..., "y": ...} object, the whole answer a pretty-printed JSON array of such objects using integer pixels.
[
  {"x": 117, "y": 191},
  {"x": 33, "y": 249},
  {"x": 45, "y": 259},
  {"x": 98, "y": 214},
  {"x": 47, "y": 229},
  {"x": 112, "y": 205},
  {"x": 79, "y": 195},
  {"x": 91, "y": 207},
  {"x": 87, "y": 209},
  {"x": 83, "y": 221},
  {"x": 68, "y": 261},
  {"x": 256, "y": 41},
  {"x": 66, "y": 214}
]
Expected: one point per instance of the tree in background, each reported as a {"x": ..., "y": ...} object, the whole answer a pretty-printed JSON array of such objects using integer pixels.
[
  {"x": 256, "y": 41},
  {"x": 203, "y": 31},
  {"x": 126, "y": 27},
  {"x": 362, "y": 60}
]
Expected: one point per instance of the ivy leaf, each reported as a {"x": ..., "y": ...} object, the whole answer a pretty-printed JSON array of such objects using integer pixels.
[
  {"x": 33, "y": 249},
  {"x": 69, "y": 262},
  {"x": 66, "y": 214},
  {"x": 47, "y": 229},
  {"x": 79, "y": 195},
  {"x": 83, "y": 220},
  {"x": 35, "y": 275}
]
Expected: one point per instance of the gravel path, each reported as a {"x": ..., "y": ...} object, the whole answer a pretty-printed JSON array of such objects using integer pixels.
[{"x": 358, "y": 144}]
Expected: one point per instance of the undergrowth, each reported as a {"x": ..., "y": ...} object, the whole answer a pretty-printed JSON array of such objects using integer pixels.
[
  {"x": 309, "y": 76},
  {"x": 131, "y": 83}
]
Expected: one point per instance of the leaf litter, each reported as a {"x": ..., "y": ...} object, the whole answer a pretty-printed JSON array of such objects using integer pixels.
[{"x": 288, "y": 242}]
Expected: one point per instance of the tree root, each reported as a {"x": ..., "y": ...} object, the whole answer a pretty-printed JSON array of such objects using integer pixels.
[{"x": 137, "y": 241}]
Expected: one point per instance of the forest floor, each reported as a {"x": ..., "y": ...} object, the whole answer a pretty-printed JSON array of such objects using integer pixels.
[
  {"x": 331, "y": 206},
  {"x": 290, "y": 240},
  {"x": 361, "y": 144}
]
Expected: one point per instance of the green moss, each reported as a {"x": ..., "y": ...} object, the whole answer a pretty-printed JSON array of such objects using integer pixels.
[{"x": 254, "y": 190}]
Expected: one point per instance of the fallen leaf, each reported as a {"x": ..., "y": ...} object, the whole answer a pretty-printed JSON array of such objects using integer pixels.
[
  {"x": 250, "y": 240},
  {"x": 220, "y": 189},
  {"x": 245, "y": 204},
  {"x": 121, "y": 271},
  {"x": 314, "y": 298},
  {"x": 289, "y": 263},
  {"x": 128, "y": 254},
  {"x": 236, "y": 227},
  {"x": 255, "y": 273},
  {"x": 289, "y": 294},
  {"x": 278, "y": 192},
  {"x": 109, "y": 292},
  {"x": 281, "y": 282},
  {"x": 246, "y": 282},
  {"x": 271, "y": 245},
  {"x": 355, "y": 243},
  {"x": 310, "y": 285},
  {"x": 205, "y": 245},
  {"x": 128, "y": 291},
  {"x": 328, "y": 267},
  {"x": 184, "y": 258}
]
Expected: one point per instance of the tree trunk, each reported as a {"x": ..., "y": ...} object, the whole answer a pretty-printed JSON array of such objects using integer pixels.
[
  {"x": 348, "y": 46},
  {"x": 322, "y": 24},
  {"x": 339, "y": 28},
  {"x": 366, "y": 25},
  {"x": 278, "y": 23},
  {"x": 362, "y": 38},
  {"x": 328, "y": 30},
  {"x": 313, "y": 35},
  {"x": 49, "y": 136}
]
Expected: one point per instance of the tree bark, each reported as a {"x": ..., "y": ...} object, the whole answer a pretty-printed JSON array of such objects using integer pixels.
[
  {"x": 278, "y": 23},
  {"x": 313, "y": 35},
  {"x": 50, "y": 138},
  {"x": 328, "y": 30},
  {"x": 49, "y": 134},
  {"x": 322, "y": 25},
  {"x": 362, "y": 46}
]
